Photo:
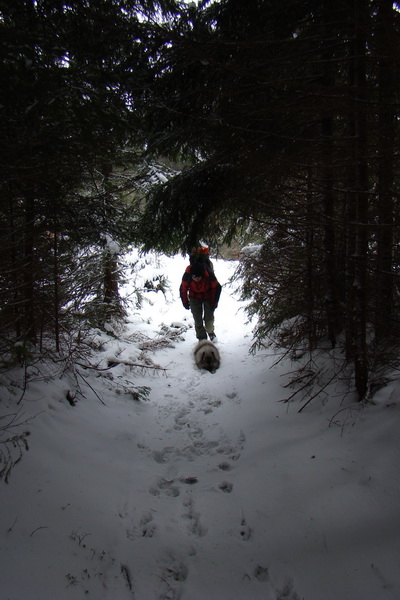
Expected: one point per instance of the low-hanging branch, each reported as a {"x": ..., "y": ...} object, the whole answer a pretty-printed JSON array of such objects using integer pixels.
[{"x": 115, "y": 362}]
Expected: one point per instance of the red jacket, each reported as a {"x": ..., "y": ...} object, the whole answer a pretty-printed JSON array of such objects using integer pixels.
[{"x": 208, "y": 288}]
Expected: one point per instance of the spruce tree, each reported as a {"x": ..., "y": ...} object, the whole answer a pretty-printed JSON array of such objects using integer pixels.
[
  {"x": 73, "y": 75},
  {"x": 286, "y": 112}
]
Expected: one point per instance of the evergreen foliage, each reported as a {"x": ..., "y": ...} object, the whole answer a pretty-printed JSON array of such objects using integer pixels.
[
  {"x": 288, "y": 111},
  {"x": 283, "y": 117},
  {"x": 72, "y": 74}
]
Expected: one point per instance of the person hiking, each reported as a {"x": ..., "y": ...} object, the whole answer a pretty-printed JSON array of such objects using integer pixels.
[{"x": 200, "y": 292}]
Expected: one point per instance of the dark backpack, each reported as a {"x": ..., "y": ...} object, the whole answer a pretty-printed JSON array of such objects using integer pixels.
[{"x": 201, "y": 256}]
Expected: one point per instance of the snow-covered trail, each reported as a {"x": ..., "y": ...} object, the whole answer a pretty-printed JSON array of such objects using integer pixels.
[
  {"x": 120, "y": 499},
  {"x": 193, "y": 515},
  {"x": 211, "y": 490}
]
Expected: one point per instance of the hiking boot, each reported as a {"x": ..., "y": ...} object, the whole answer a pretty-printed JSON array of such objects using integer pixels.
[{"x": 212, "y": 336}]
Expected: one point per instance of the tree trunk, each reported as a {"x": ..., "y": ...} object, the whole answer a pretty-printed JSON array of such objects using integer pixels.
[
  {"x": 29, "y": 270},
  {"x": 15, "y": 271},
  {"x": 361, "y": 202},
  {"x": 328, "y": 177},
  {"x": 384, "y": 268},
  {"x": 310, "y": 269},
  {"x": 111, "y": 293},
  {"x": 56, "y": 276}
]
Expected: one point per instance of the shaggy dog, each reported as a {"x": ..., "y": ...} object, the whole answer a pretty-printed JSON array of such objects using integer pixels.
[{"x": 206, "y": 356}]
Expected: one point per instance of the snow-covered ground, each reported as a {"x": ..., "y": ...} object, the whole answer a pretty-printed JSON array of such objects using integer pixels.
[{"x": 212, "y": 489}]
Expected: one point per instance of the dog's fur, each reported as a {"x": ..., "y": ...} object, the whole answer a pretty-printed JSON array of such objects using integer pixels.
[{"x": 206, "y": 356}]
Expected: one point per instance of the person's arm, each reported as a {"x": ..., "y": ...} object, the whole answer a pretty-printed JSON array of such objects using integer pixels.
[{"x": 184, "y": 289}]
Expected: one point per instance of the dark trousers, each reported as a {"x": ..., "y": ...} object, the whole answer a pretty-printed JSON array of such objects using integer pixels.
[{"x": 203, "y": 315}]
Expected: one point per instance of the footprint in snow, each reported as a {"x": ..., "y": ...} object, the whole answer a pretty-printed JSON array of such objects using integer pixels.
[
  {"x": 261, "y": 573},
  {"x": 181, "y": 419},
  {"x": 166, "y": 487},
  {"x": 162, "y": 456},
  {"x": 233, "y": 451},
  {"x": 210, "y": 405},
  {"x": 245, "y": 531},
  {"x": 146, "y": 528},
  {"x": 174, "y": 573},
  {"x": 195, "y": 526},
  {"x": 224, "y": 466},
  {"x": 195, "y": 432},
  {"x": 226, "y": 487},
  {"x": 124, "y": 512}
]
